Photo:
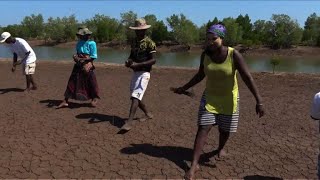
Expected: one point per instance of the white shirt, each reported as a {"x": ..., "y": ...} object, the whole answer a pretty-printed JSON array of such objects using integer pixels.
[
  {"x": 21, "y": 47},
  {"x": 315, "y": 108}
]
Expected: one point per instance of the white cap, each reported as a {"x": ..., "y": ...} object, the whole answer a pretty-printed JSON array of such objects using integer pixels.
[{"x": 4, "y": 36}]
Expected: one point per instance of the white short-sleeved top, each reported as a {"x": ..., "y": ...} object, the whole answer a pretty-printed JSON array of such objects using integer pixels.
[
  {"x": 21, "y": 47},
  {"x": 315, "y": 108}
]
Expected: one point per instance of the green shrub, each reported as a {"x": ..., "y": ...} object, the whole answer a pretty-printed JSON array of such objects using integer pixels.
[{"x": 274, "y": 62}]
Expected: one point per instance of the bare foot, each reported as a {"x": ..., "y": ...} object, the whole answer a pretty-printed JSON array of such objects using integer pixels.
[
  {"x": 192, "y": 171},
  {"x": 147, "y": 117},
  {"x": 127, "y": 126},
  {"x": 221, "y": 155},
  {"x": 63, "y": 104},
  {"x": 94, "y": 102}
]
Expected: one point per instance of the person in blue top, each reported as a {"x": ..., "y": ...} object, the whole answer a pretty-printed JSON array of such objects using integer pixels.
[{"x": 82, "y": 84}]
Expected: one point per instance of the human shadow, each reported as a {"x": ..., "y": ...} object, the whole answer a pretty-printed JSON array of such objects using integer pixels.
[
  {"x": 51, "y": 102},
  {"x": 6, "y": 90},
  {"x": 178, "y": 155},
  {"x": 72, "y": 105},
  {"x": 258, "y": 177},
  {"x": 206, "y": 157},
  {"x": 97, "y": 118}
]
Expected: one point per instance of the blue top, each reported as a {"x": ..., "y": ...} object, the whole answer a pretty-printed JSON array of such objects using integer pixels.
[{"x": 87, "y": 47}]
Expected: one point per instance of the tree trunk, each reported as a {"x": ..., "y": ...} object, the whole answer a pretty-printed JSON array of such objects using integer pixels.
[{"x": 273, "y": 67}]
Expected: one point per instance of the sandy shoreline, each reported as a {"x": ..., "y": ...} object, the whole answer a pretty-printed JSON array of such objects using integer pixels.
[{"x": 38, "y": 141}]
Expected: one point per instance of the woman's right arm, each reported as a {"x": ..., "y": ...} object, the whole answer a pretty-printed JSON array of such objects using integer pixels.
[
  {"x": 93, "y": 51},
  {"x": 196, "y": 78}
]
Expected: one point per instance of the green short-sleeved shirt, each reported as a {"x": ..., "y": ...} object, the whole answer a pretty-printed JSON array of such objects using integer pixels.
[{"x": 140, "y": 51}]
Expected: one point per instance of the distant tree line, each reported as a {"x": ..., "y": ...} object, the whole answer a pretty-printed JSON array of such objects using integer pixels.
[{"x": 281, "y": 31}]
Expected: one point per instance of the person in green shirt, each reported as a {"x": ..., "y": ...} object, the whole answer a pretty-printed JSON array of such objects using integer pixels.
[
  {"x": 220, "y": 101},
  {"x": 140, "y": 61}
]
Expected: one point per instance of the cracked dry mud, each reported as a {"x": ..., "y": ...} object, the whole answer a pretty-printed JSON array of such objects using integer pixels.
[{"x": 38, "y": 141}]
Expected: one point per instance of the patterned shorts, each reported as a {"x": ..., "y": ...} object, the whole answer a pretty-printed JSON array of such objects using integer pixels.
[{"x": 227, "y": 123}]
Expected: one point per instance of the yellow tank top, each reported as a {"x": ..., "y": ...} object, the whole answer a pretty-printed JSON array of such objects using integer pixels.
[{"x": 221, "y": 87}]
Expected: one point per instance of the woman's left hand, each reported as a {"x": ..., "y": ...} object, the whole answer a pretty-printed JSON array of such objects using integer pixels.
[{"x": 260, "y": 110}]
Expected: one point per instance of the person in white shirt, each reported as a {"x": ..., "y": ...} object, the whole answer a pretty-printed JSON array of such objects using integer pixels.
[
  {"x": 22, "y": 50},
  {"x": 315, "y": 114}
]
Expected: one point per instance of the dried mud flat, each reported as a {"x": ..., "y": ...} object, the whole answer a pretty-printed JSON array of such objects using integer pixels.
[{"x": 38, "y": 141}]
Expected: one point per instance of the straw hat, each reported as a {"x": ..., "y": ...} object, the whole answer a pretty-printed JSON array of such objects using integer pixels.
[
  {"x": 83, "y": 31},
  {"x": 140, "y": 24}
]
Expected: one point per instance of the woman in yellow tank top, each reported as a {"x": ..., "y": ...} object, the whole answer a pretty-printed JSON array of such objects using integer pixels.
[{"x": 220, "y": 101}]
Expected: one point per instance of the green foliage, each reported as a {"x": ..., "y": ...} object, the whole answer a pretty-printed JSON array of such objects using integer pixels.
[
  {"x": 274, "y": 61},
  {"x": 61, "y": 29},
  {"x": 202, "y": 32},
  {"x": 158, "y": 31},
  {"x": 128, "y": 19},
  {"x": 121, "y": 34},
  {"x": 70, "y": 26},
  {"x": 247, "y": 43},
  {"x": 15, "y": 30},
  {"x": 151, "y": 19},
  {"x": 259, "y": 31},
  {"x": 103, "y": 27},
  {"x": 311, "y": 35},
  {"x": 184, "y": 31},
  {"x": 284, "y": 32},
  {"x": 279, "y": 32},
  {"x": 246, "y": 26},
  {"x": 54, "y": 29},
  {"x": 234, "y": 32},
  {"x": 33, "y": 26}
]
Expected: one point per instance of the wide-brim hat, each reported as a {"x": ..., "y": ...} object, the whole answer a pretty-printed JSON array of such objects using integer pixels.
[
  {"x": 83, "y": 31},
  {"x": 140, "y": 24}
]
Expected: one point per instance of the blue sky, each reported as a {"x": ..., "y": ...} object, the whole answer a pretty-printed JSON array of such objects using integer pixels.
[{"x": 197, "y": 11}]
